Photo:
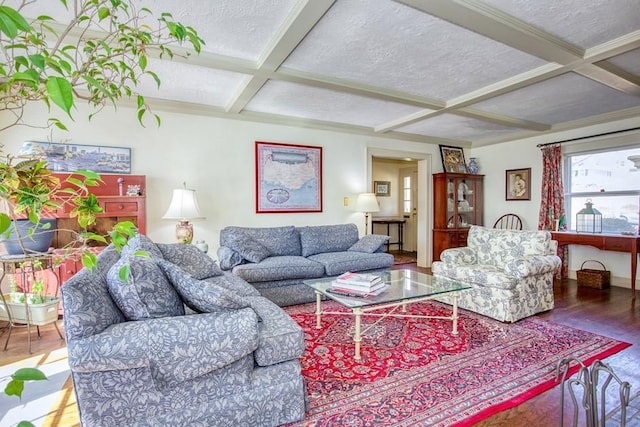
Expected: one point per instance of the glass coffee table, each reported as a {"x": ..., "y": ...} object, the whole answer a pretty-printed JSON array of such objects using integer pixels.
[{"x": 405, "y": 287}]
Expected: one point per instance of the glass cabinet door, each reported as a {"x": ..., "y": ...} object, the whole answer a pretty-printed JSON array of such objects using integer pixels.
[{"x": 461, "y": 203}]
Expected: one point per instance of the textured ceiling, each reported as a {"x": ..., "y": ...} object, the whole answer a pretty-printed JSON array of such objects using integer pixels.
[{"x": 458, "y": 72}]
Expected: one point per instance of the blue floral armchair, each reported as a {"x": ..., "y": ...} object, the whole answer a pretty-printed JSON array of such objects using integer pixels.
[{"x": 226, "y": 367}]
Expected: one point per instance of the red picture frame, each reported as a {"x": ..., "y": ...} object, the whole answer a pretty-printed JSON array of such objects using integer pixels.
[{"x": 288, "y": 178}]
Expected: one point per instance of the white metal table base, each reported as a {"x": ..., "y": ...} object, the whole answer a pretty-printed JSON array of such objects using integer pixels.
[{"x": 358, "y": 312}]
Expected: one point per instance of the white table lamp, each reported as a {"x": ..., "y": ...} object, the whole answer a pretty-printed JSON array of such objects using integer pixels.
[
  {"x": 183, "y": 207},
  {"x": 367, "y": 203}
]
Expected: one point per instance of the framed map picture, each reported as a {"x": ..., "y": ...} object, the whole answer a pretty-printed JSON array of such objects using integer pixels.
[{"x": 288, "y": 178}]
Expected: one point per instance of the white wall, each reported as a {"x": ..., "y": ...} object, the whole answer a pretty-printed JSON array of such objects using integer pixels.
[
  {"x": 216, "y": 158},
  {"x": 494, "y": 160}
]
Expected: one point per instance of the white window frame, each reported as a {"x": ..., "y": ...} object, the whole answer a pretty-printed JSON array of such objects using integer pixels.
[{"x": 567, "y": 174}]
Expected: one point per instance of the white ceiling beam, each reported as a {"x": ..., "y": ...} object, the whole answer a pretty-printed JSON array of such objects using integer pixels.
[
  {"x": 616, "y": 116},
  {"x": 606, "y": 77},
  {"x": 337, "y": 84},
  {"x": 497, "y": 25},
  {"x": 166, "y": 105},
  {"x": 300, "y": 21},
  {"x": 499, "y": 119}
]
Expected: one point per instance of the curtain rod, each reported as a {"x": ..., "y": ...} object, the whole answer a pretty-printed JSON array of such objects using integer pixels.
[{"x": 586, "y": 137}]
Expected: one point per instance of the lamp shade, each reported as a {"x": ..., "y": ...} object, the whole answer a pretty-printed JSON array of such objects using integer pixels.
[
  {"x": 367, "y": 202},
  {"x": 184, "y": 205}
]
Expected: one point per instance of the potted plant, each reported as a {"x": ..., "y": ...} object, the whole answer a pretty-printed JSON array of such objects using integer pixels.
[
  {"x": 58, "y": 65},
  {"x": 98, "y": 57},
  {"x": 30, "y": 302}
]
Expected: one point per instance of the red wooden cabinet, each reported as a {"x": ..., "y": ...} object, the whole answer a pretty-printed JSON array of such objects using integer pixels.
[{"x": 116, "y": 207}]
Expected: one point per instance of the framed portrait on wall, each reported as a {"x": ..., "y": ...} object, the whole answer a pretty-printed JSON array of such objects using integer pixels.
[
  {"x": 518, "y": 184},
  {"x": 453, "y": 159},
  {"x": 288, "y": 178}
]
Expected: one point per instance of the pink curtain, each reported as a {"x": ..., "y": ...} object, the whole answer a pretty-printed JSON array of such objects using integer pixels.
[{"x": 552, "y": 203}]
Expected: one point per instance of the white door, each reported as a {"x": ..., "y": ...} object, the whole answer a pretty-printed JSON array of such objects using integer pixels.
[{"x": 409, "y": 206}]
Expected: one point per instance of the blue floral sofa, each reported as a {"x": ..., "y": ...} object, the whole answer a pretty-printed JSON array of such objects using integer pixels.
[
  {"x": 178, "y": 343},
  {"x": 275, "y": 260},
  {"x": 511, "y": 272}
]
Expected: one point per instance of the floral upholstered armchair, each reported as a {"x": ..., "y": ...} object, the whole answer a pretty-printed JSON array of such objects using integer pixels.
[
  {"x": 179, "y": 343},
  {"x": 511, "y": 272}
]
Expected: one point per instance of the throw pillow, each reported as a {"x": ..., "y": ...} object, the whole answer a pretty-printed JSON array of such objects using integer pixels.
[
  {"x": 140, "y": 242},
  {"x": 369, "y": 243},
  {"x": 201, "y": 296},
  {"x": 249, "y": 248},
  {"x": 146, "y": 294},
  {"x": 229, "y": 258},
  {"x": 190, "y": 259}
]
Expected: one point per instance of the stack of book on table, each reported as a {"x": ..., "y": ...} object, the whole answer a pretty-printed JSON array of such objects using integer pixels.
[{"x": 358, "y": 285}]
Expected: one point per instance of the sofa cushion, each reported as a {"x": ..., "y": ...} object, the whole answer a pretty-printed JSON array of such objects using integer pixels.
[
  {"x": 336, "y": 263},
  {"x": 280, "y": 337},
  {"x": 280, "y": 268},
  {"x": 479, "y": 274},
  {"x": 250, "y": 249},
  {"x": 88, "y": 307},
  {"x": 200, "y": 295},
  {"x": 147, "y": 293},
  {"x": 327, "y": 238},
  {"x": 234, "y": 283},
  {"x": 278, "y": 240},
  {"x": 369, "y": 243},
  {"x": 190, "y": 259}
]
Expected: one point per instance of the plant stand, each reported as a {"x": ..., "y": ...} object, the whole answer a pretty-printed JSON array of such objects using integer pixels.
[{"x": 25, "y": 312}]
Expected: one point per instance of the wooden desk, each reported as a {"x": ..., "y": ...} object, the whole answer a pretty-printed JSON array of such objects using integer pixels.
[
  {"x": 606, "y": 242},
  {"x": 399, "y": 223}
]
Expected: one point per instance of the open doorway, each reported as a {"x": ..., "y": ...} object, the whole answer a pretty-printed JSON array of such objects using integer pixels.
[{"x": 404, "y": 206}]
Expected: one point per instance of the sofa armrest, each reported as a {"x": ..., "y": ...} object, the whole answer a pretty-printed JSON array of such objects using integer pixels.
[
  {"x": 464, "y": 255},
  {"x": 532, "y": 265},
  {"x": 175, "y": 349}
]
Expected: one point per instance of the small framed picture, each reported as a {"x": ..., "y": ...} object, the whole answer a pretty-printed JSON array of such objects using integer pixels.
[
  {"x": 453, "y": 159},
  {"x": 518, "y": 184},
  {"x": 382, "y": 188}
]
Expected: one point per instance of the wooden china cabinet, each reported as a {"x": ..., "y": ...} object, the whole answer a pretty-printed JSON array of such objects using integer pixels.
[{"x": 457, "y": 205}]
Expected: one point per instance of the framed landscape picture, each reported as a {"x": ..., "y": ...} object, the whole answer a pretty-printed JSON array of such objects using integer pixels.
[
  {"x": 453, "y": 159},
  {"x": 288, "y": 178},
  {"x": 518, "y": 184},
  {"x": 71, "y": 157}
]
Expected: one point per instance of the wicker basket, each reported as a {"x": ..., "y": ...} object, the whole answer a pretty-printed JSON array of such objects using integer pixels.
[{"x": 599, "y": 279}]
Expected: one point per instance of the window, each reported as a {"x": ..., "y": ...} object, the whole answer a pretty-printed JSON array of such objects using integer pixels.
[
  {"x": 611, "y": 181},
  {"x": 406, "y": 195}
]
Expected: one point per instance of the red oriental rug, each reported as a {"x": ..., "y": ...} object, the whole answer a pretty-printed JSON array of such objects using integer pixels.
[{"x": 415, "y": 372}]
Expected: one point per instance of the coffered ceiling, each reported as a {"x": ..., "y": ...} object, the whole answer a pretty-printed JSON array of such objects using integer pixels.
[{"x": 455, "y": 72}]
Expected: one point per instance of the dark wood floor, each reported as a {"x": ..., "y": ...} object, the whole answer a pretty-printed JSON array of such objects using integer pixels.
[{"x": 607, "y": 312}]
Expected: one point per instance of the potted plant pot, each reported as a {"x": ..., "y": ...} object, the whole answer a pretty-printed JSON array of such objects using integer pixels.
[
  {"x": 42, "y": 313},
  {"x": 39, "y": 241}
]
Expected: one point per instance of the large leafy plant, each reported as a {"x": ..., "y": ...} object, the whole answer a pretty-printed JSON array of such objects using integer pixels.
[{"x": 97, "y": 56}]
